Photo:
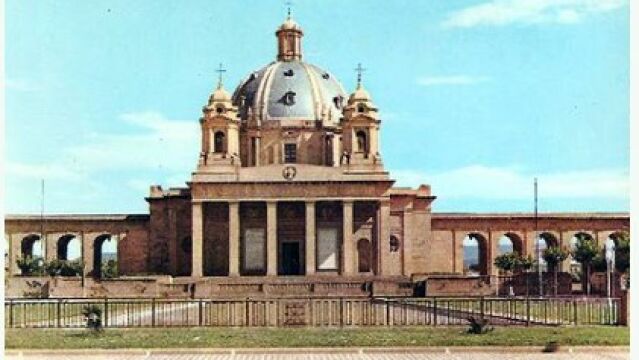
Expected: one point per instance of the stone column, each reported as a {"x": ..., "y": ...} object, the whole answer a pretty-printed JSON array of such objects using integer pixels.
[
  {"x": 348, "y": 253},
  {"x": 271, "y": 238},
  {"x": 383, "y": 238},
  {"x": 50, "y": 246},
  {"x": 234, "y": 239},
  {"x": 196, "y": 238},
  {"x": 310, "y": 237},
  {"x": 88, "y": 248},
  {"x": 257, "y": 150}
]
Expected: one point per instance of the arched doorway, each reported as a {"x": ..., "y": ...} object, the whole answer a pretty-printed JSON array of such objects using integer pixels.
[
  {"x": 364, "y": 255},
  {"x": 69, "y": 248},
  {"x": 105, "y": 256},
  {"x": 31, "y": 246},
  {"x": 544, "y": 241},
  {"x": 474, "y": 249}
]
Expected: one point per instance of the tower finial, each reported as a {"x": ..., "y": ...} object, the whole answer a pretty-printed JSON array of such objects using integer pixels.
[
  {"x": 359, "y": 70},
  {"x": 220, "y": 71},
  {"x": 288, "y": 9}
]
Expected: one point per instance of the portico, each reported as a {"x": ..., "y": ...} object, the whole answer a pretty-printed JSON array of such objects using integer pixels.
[{"x": 289, "y": 237}]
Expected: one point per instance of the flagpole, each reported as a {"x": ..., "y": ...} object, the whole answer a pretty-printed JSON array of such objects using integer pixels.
[{"x": 539, "y": 273}]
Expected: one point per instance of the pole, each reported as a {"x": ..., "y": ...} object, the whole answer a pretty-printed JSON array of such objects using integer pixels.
[
  {"x": 42, "y": 239},
  {"x": 539, "y": 274}
]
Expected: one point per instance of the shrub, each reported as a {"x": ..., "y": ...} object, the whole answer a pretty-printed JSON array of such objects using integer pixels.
[
  {"x": 31, "y": 266},
  {"x": 63, "y": 267},
  {"x": 110, "y": 269},
  {"x": 478, "y": 325},
  {"x": 93, "y": 315}
]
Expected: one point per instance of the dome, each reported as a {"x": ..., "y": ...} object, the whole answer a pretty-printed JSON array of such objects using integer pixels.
[
  {"x": 290, "y": 24},
  {"x": 220, "y": 95},
  {"x": 290, "y": 90}
]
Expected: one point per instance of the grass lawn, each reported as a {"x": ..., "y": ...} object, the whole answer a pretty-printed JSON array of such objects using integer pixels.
[{"x": 307, "y": 337}]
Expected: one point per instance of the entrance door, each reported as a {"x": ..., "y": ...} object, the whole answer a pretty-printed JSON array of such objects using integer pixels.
[{"x": 291, "y": 258}]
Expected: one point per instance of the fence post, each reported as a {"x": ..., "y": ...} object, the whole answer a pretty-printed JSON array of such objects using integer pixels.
[
  {"x": 387, "y": 305},
  {"x": 106, "y": 312},
  {"x": 341, "y": 312},
  {"x": 153, "y": 312},
  {"x": 246, "y": 312},
  {"x": 435, "y": 311},
  {"x": 11, "y": 313},
  {"x": 481, "y": 307},
  {"x": 574, "y": 311},
  {"x": 527, "y": 311},
  {"x": 199, "y": 313},
  {"x": 59, "y": 317}
]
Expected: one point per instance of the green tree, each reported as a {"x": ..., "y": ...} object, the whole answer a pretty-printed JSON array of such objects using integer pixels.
[
  {"x": 507, "y": 262},
  {"x": 584, "y": 252},
  {"x": 554, "y": 256},
  {"x": 523, "y": 265},
  {"x": 622, "y": 252}
]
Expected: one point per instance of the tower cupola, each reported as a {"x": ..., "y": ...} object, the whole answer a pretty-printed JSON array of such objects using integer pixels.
[{"x": 289, "y": 40}]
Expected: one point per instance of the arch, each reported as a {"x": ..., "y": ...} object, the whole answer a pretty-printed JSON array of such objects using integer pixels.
[
  {"x": 219, "y": 142},
  {"x": 474, "y": 250},
  {"x": 364, "y": 255},
  {"x": 394, "y": 244},
  {"x": 31, "y": 246},
  {"x": 362, "y": 141},
  {"x": 616, "y": 236},
  {"x": 510, "y": 242},
  {"x": 103, "y": 254},
  {"x": 544, "y": 241},
  {"x": 68, "y": 247}
]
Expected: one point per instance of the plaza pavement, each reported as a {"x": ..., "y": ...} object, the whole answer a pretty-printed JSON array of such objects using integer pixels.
[{"x": 527, "y": 353}]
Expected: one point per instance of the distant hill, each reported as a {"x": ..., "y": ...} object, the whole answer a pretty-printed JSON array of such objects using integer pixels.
[{"x": 109, "y": 256}]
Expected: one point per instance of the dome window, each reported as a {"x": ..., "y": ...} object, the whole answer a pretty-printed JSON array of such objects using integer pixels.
[
  {"x": 289, "y": 98},
  {"x": 289, "y": 72},
  {"x": 338, "y": 101},
  {"x": 361, "y": 108},
  {"x": 219, "y": 109},
  {"x": 326, "y": 76}
]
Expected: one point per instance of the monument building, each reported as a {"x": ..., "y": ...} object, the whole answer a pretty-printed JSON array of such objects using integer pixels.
[{"x": 290, "y": 195}]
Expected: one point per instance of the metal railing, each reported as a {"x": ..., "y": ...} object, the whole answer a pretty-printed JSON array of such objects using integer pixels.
[{"x": 314, "y": 312}]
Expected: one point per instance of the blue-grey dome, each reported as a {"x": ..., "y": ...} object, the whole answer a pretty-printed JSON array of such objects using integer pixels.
[{"x": 290, "y": 90}]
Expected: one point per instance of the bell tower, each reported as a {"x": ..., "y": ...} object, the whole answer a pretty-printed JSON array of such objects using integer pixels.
[
  {"x": 360, "y": 126},
  {"x": 220, "y": 132}
]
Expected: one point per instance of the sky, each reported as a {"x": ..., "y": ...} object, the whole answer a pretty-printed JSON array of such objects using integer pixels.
[{"x": 477, "y": 98}]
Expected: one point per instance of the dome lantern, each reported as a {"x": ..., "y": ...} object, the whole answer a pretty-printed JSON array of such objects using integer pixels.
[{"x": 289, "y": 40}]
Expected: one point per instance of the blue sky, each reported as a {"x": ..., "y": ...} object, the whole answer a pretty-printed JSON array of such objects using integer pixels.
[{"x": 477, "y": 97}]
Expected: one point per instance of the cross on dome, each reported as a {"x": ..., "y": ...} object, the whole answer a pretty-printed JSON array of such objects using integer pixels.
[
  {"x": 220, "y": 70},
  {"x": 359, "y": 69}
]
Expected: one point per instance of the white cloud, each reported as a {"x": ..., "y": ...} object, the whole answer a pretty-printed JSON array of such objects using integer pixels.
[
  {"x": 507, "y": 12},
  {"x": 451, "y": 80},
  {"x": 161, "y": 144},
  {"x": 497, "y": 183}
]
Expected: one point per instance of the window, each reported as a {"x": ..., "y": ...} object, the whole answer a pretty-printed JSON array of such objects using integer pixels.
[
  {"x": 394, "y": 244},
  {"x": 290, "y": 153},
  {"x": 361, "y": 141},
  {"x": 219, "y": 142}
]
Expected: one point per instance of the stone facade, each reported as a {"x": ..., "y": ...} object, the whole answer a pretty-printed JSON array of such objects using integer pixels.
[{"x": 289, "y": 196}]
